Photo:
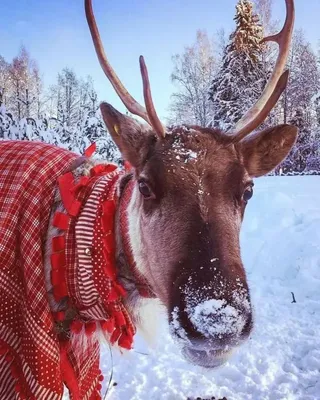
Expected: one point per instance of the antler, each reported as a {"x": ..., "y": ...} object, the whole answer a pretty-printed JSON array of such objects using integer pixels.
[
  {"x": 154, "y": 120},
  {"x": 277, "y": 83},
  {"x": 149, "y": 113}
]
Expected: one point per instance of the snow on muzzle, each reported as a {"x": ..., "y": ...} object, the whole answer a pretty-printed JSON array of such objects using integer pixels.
[{"x": 208, "y": 328}]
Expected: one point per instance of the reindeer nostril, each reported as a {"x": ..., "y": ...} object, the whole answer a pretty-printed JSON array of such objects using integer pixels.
[
  {"x": 213, "y": 323},
  {"x": 209, "y": 314}
]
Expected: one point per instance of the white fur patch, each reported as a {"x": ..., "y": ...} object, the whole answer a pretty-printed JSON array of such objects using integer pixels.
[
  {"x": 134, "y": 233},
  {"x": 148, "y": 313}
]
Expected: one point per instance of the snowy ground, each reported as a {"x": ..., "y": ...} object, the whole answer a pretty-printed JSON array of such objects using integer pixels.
[{"x": 281, "y": 361}]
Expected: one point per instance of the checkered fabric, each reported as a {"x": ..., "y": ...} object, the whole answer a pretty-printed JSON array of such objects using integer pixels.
[
  {"x": 29, "y": 349},
  {"x": 37, "y": 353}
]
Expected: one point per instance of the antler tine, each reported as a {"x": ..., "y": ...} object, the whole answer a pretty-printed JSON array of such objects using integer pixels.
[
  {"x": 272, "y": 101},
  {"x": 154, "y": 119},
  {"x": 131, "y": 104},
  {"x": 257, "y": 114}
]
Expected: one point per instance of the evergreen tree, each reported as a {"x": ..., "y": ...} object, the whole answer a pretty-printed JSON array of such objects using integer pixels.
[
  {"x": 241, "y": 78},
  {"x": 94, "y": 131},
  {"x": 300, "y": 106},
  {"x": 304, "y": 157}
]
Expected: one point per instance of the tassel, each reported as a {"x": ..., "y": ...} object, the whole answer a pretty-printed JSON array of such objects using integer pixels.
[
  {"x": 60, "y": 291},
  {"x": 58, "y": 243},
  {"x": 58, "y": 260},
  {"x": 109, "y": 247},
  {"x": 17, "y": 387},
  {"x": 82, "y": 182},
  {"x": 66, "y": 185},
  {"x": 57, "y": 276},
  {"x": 125, "y": 341},
  {"x": 120, "y": 290},
  {"x": 113, "y": 295},
  {"x": 110, "y": 270},
  {"x": 115, "y": 336},
  {"x": 103, "y": 169},
  {"x": 90, "y": 328},
  {"x": 61, "y": 221},
  {"x": 90, "y": 150},
  {"x": 120, "y": 319},
  {"x": 108, "y": 208},
  {"x": 107, "y": 325},
  {"x": 9, "y": 357},
  {"x": 76, "y": 326}
]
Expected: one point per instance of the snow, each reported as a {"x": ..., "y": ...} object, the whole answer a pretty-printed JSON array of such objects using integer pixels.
[
  {"x": 228, "y": 317},
  {"x": 176, "y": 327},
  {"x": 281, "y": 361},
  {"x": 180, "y": 150}
]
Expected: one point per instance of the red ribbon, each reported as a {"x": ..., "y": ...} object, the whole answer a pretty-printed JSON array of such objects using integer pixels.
[
  {"x": 90, "y": 150},
  {"x": 61, "y": 221},
  {"x": 67, "y": 185}
]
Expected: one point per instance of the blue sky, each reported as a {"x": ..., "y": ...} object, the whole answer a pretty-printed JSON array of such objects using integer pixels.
[{"x": 56, "y": 34}]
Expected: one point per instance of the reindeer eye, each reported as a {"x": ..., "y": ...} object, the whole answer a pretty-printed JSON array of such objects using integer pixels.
[
  {"x": 247, "y": 194},
  {"x": 145, "y": 190}
]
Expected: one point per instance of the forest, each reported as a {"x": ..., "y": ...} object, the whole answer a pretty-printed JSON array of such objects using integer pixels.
[{"x": 216, "y": 80}]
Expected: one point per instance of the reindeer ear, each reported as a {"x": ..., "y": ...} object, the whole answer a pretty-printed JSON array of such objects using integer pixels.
[
  {"x": 132, "y": 139},
  {"x": 265, "y": 150}
]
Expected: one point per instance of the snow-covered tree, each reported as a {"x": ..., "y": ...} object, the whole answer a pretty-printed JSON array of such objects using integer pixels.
[
  {"x": 72, "y": 98},
  {"x": 304, "y": 77},
  {"x": 94, "y": 131},
  {"x": 76, "y": 138},
  {"x": 305, "y": 156},
  {"x": 22, "y": 86},
  {"x": 3, "y": 79},
  {"x": 241, "y": 78},
  {"x": 193, "y": 72},
  {"x": 263, "y": 9},
  {"x": 67, "y": 97},
  {"x": 299, "y": 106}
]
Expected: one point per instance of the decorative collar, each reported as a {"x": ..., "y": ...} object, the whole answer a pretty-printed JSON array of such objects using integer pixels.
[{"x": 83, "y": 258}]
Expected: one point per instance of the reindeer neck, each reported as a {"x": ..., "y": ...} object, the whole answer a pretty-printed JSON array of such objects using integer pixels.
[{"x": 128, "y": 272}]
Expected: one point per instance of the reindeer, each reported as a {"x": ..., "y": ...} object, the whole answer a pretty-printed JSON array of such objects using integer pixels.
[{"x": 174, "y": 215}]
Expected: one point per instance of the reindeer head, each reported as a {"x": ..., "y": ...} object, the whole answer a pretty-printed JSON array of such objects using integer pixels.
[{"x": 190, "y": 189}]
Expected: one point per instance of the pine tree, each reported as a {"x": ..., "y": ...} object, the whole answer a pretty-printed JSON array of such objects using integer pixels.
[
  {"x": 94, "y": 131},
  {"x": 241, "y": 78},
  {"x": 300, "y": 104},
  {"x": 304, "y": 157}
]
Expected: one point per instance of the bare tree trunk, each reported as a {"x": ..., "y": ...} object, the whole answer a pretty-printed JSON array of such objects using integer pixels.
[
  {"x": 27, "y": 103},
  {"x": 18, "y": 101}
]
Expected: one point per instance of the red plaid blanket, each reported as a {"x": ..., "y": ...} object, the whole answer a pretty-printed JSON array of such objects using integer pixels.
[
  {"x": 29, "y": 350},
  {"x": 37, "y": 352}
]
